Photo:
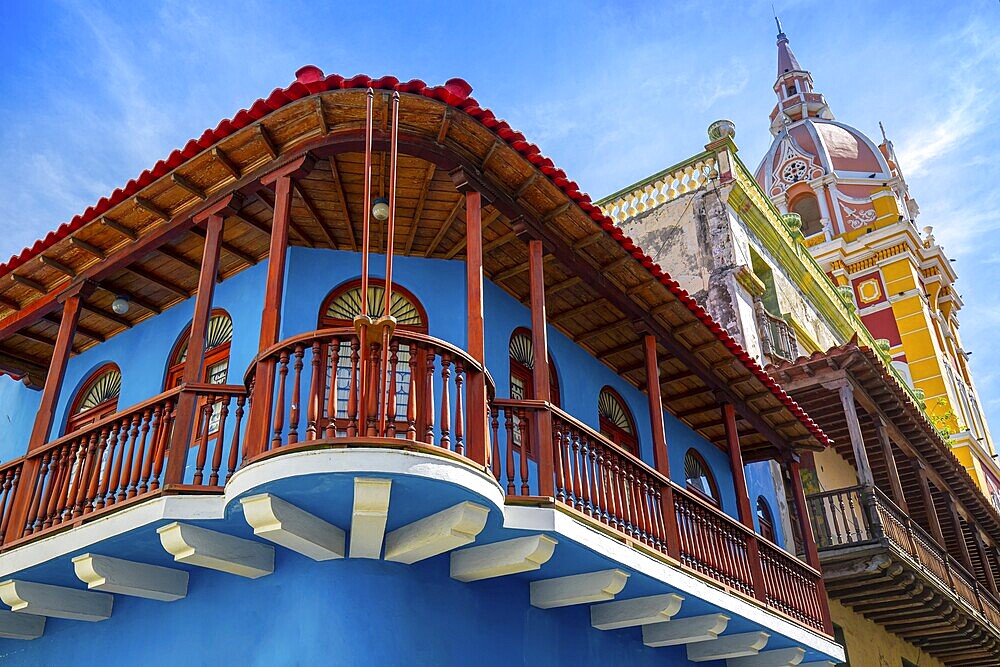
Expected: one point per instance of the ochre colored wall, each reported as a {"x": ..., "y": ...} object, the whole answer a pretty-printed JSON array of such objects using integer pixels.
[{"x": 869, "y": 645}]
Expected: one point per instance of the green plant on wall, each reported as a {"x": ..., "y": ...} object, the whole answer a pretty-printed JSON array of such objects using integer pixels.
[{"x": 943, "y": 420}]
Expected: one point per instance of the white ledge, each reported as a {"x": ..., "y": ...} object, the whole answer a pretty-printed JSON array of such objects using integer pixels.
[
  {"x": 637, "y": 611},
  {"x": 217, "y": 551},
  {"x": 15, "y": 625},
  {"x": 577, "y": 589},
  {"x": 522, "y": 554},
  {"x": 114, "y": 575},
  {"x": 729, "y": 646},
  {"x": 56, "y": 601},
  {"x": 440, "y": 532},
  {"x": 784, "y": 657},
  {"x": 293, "y": 528},
  {"x": 685, "y": 630},
  {"x": 371, "y": 511}
]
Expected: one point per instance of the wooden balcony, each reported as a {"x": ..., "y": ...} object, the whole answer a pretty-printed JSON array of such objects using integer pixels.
[
  {"x": 878, "y": 561},
  {"x": 777, "y": 336}
]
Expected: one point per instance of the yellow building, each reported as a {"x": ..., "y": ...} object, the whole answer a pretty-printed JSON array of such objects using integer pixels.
[{"x": 859, "y": 222}]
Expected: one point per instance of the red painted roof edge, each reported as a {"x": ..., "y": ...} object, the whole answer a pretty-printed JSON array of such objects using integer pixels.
[{"x": 455, "y": 93}]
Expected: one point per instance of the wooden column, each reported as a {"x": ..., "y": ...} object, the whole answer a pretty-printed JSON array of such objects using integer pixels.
[
  {"x": 812, "y": 553},
  {"x": 857, "y": 441},
  {"x": 890, "y": 464},
  {"x": 259, "y": 420},
  {"x": 477, "y": 434},
  {"x": 956, "y": 522},
  {"x": 984, "y": 558},
  {"x": 928, "y": 501},
  {"x": 540, "y": 373},
  {"x": 736, "y": 463},
  {"x": 187, "y": 402},
  {"x": 660, "y": 455}
]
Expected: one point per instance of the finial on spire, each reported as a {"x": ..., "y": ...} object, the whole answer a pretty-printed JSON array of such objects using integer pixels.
[
  {"x": 776, "y": 21},
  {"x": 882, "y": 127}
]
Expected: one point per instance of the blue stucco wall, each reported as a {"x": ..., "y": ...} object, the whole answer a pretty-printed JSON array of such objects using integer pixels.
[
  {"x": 761, "y": 483},
  {"x": 18, "y": 407}
]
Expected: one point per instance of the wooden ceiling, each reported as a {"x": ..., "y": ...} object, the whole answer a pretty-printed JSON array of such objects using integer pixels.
[{"x": 597, "y": 293}]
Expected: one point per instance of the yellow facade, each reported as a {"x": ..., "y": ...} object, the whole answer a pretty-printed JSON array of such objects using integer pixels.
[{"x": 869, "y": 645}]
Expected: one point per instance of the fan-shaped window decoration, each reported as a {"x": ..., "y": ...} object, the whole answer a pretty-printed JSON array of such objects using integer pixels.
[
  {"x": 615, "y": 419},
  {"x": 97, "y": 398},
  {"x": 698, "y": 477},
  {"x": 764, "y": 519},
  {"x": 522, "y": 363},
  {"x": 220, "y": 332},
  {"x": 339, "y": 309},
  {"x": 218, "y": 337}
]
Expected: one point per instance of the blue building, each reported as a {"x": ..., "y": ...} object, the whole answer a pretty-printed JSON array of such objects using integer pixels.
[{"x": 361, "y": 377}]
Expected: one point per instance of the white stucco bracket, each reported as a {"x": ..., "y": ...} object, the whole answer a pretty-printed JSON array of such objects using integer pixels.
[
  {"x": 293, "y": 528},
  {"x": 371, "y": 511},
  {"x": 637, "y": 611},
  {"x": 522, "y": 554},
  {"x": 114, "y": 575},
  {"x": 685, "y": 630},
  {"x": 577, "y": 588},
  {"x": 217, "y": 551},
  {"x": 440, "y": 532},
  {"x": 56, "y": 601}
]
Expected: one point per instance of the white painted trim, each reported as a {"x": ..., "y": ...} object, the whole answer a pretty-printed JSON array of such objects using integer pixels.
[
  {"x": 782, "y": 657},
  {"x": 56, "y": 601},
  {"x": 545, "y": 519},
  {"x": 577, "y": 589},
  {"x": 114, "y": 575},
  {"x": 443, "y": 531},
  {"x": 15, "y": 625},
  {"x": 521, "y": 554},
  {"x": 685, "y": 630},
  {"x": 217, "y": 551},
  {"x": 637, "y": 611},
  {"x": 728, "y": 646},
  {"x": 293, "y": 528},
  {"x": 368, "y": 518},
  {"x": 821, "y": 663}
]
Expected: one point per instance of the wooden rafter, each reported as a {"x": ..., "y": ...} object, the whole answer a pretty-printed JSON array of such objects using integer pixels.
[
  {"x": 227, "y": 164},
  {"x": 314, "y": 214},
  {"x": 229, "y": 248},
  {"x": 111, "y": 317},
  {"x": 87, "y": 247},
  {"x": 267, "y": 140},
  {"x": 82, "y": 330},
  {"x": 158, "y": 281},
  {"x": 120, "y": 228},
  {"x": 58, "y": 266},
  {"x": 29, "y": 283},
  {"x": 253, "y": 223},
  {"x": 175, "y": 256},
  {"x": 150, "y": 207},
  {"x": 418, "y": 211},
  {"x": 267, "y": 198},
  {"x": 338, "y": 191},
  {"x": 460, "y": 246},
  {"x": 115, "y": 290},
  {"x": 445, "y": 227},
  {"x": 189, "y": 187}
]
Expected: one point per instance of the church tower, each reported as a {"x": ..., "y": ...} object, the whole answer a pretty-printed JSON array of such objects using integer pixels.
[{"x": 860, "y": 224}]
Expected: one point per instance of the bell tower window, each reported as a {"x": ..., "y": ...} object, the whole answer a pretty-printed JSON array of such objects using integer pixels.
[{"x": 808, "y": 209}]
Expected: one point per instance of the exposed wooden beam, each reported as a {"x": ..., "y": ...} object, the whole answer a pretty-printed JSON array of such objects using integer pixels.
[
  {"x": 445, "y": 227},
  {"x": 28, "y": 282},
  {"x": 460, "y": 246},
  {"x": 575, "y": 311},
  {"x": 557, "y": 211},
  {"x": 445, "y": 124},
  {"x": 111, "y": 317},
  {"x": 314, "y": 214},
  {"x": 110, "y": 288},
  {"x": 150, "y": 207},
  {"x": 338, "y": 191},
  {"x": 120, "y": 228},
  {"x": 22, "y": 365},
  {"x": 321, "y": 116},
  {"x": 87, "y": 247},
  {"x": 563, "y": 285},
  {"x": 588, "y": 240},
  {"x": 267, "y": 199},
  {"x": 600, "y": 331},
  {"x": 267, "y": 140},
  {"x": 84, "y": 331},
  {"x": 418, "y": 211},
  {"x": 174, "y": 255},
  {"x": 527, "y": 184},
  {"x": 58, "y": 266},
  {"x": 498, "y": 242},
  {"x": 247, "y": 220},
  {"x": 9, "y": 303},
  {"x": 227, "y": 164},
  {"x": 188, "y": 186},
  {"x": 158, "y": 281},
  {"x": 229, "y": 248},
  {"x": 493, "y": 149}
]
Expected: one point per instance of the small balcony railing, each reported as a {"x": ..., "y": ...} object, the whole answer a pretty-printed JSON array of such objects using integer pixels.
[
  {"x": 777, "y": 336},
  {"x": 857, "y": 516},
  {"x": 607, "y": 484}
]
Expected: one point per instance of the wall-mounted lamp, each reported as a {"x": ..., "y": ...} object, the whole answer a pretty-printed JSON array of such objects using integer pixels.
[
  {"x": 380, "y": 209},
  {"x": 120, "y": 304}
]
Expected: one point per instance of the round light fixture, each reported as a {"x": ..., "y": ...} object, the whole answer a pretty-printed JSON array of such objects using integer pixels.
[
  {"x": 120, "y": 304},
  {"x": 380, "y": 209}
]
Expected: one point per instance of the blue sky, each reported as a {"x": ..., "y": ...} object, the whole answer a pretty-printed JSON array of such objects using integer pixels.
[{"x": 93, "y": 93}]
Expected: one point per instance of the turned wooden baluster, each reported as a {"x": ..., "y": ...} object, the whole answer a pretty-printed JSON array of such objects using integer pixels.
[
  {"x": 220, "y": 439},
  {"x": 206, "y": 420},
  {"x": 83, "y": 480},
  {"x": 116, "y": 474},
  {"x": 390, "y": 397},
  {"x": 445, "y": 401},
  {"x": 429, "y": 398},
  {"x": 411, "y": 398},
  {"x": 595, "y": 490},
  {"x": 9, "y": 491},
  {"x": 601, "y": 485},
  {"x": 352, "y": 394},
  {"x": 459, "y": 417},
  {"x": 331, "y": 399},
  {"x": 577, "y": 471},
  {"x": 107, "y": 466},
  {"x": 522, "y": 427},
  {"x": 609, "y": 482},
  {"x": 234, "y": 447},
  {"x": 588, "y": 505},
  {"x": 140, "y": 457},
  {"x": 56, "y": 472},
  {"x": 133, "y": 435},
  {"x": 293, "y": 415},
  {"x": 509, "y": 428},
  {"x": 94, "y": 479},
  {"x": 147, "y": 468},
  {"x": 372, "y": 394},
  {"x": 38, "y": 486},
  {"x": 161, "y": 446},
  {"x": 495, "y": 432},
  {"x": 315, "y": 399},
  {"x": 557, "y": 443},
  {"x": 279, "y": 400}
]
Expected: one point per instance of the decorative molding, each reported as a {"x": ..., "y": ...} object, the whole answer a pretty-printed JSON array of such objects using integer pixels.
[
  {"x": 637, "y": 611},
  {"x": 521, "y": 554},
  {"x": 785, "y": 657},
  {"x": 217, "y": 551},
  {"x": 114, "y": 575},
  {"x": 446, "y": 530},
  {"x": 371, "y": 510},
  {"x": 577, "y": 588},
  {"x": 293, "y": 528},
  {"x": 56, "y": 601},
  {"x": 685, "y": 630},
  {"x": 728, "y": 646},
  {"x": 20, "y": 626}
]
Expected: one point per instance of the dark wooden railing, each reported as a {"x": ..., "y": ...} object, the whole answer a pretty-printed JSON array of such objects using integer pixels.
[
  {"x": 859, "y": 515},
  {"x": 608, "y": 484},
  {"x": 113, "y": 460},
  {"x": 414, "y": 392},
  {"x": 777, "y": 335}
]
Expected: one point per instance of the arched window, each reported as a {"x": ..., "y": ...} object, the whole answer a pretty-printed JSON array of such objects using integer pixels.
[
  {"x": 339, "y": 309},
  {"x": 218, "y": 337},
  {"x": 698, "y": 477},
  {"x": 616, "y": 421},
  {"x": 97, "y": 398},
  {"x": 764, "y": 519},
  {"x": 522, "y": 363},
  {"x": 808, "y": 209}
]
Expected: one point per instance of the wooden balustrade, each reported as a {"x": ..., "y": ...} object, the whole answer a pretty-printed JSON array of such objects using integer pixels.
[
  {"x": 414, "y": 390},
  {"x": 864, "y": 515},
  {"x": 10, "y": 474},
  {"x": 608, "y": 484},
  {"x": 776, "y": 335}
]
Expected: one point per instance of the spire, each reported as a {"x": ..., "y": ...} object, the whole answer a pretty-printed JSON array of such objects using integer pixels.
[
  {"x": 786, "y": 59},
  {"x": 794, "y": 87}
]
